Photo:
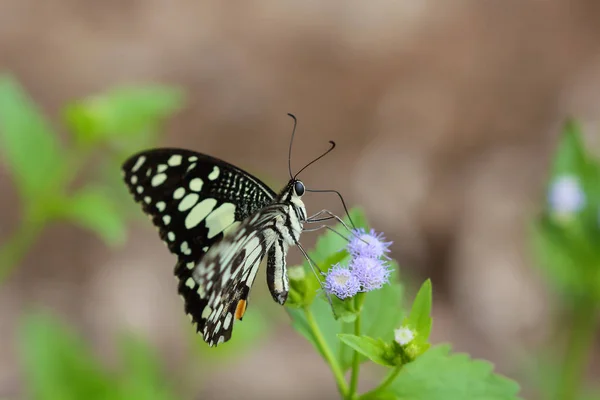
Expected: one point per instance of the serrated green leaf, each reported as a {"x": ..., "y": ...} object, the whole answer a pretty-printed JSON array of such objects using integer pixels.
[
  {"x": 420, "y": 313},
  {"x": 439, "y": 375},
  {"x": 124, "y": 113},
  {"x": 93, "y": 209},
  {"x": 375, "y": 350},
  {"x": 28, "y": 143},
  {"x": 57, "y": 364}
]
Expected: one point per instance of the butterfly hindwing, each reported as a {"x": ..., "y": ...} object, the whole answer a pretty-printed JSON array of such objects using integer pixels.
[
  {"x": 235, "y": 261},
  {"x": 193, "y": 200}
]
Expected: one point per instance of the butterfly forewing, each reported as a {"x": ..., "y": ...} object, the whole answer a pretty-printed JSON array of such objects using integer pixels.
[{"x": 193, "y": 199}]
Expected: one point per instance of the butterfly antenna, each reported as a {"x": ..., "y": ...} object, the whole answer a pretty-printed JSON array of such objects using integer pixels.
[
  {"x": 291, "y": 143},
  {"x": 332, "y": 146},
  {"x": 341, "y": 199}
]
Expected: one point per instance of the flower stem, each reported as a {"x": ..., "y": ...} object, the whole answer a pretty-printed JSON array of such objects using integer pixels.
[
  {"x": 358, "y": 303},
  {"x": 338, "y": 374},
  {"x": 15, "y": 248},
  {"x": 578, "y": 350},
  {"x": 371, "y": 394}
]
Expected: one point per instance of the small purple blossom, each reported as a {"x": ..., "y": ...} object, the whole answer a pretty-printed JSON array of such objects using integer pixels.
[
  {"x": 372, "y": 273},
  {"x": 566, "y": 195},
  {"x": 371, "y": 245},
  {"x": 340, "y": 282}
]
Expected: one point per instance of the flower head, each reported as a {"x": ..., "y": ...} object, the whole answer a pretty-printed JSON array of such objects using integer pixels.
[
  {"x": 566, "y": 195},
  {"x": 372, "y": 245},
  {"x": 404, "y": 335},
  {"x": 340, "y": 282},
  {"x": 372, "y": 273}
]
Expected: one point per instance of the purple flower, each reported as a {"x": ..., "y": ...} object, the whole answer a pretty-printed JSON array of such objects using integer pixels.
[
  {"x": 340, "y": 282},
  {"x": 372, "y": 245},
  {"x": 372, "y": 273},
  {"x": 566, "y": 195}
]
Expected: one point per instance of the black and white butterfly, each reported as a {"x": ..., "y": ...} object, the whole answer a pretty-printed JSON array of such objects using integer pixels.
[{"x": 220, "y": 222}]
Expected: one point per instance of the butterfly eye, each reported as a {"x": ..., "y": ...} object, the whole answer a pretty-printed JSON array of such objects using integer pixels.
[{"x": 299, "y": 188}]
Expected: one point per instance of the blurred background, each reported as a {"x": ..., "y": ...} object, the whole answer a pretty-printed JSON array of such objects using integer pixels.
[{"x": 446, "y": 115}]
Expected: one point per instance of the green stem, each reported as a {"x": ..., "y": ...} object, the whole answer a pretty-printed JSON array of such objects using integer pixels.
[
  {"x": 17, "y": 245},
  {"x": 577, "y": 354},
  {"x": 327, "y": 353},
  {"x": 358, "y": 303},
  {"x": 372, "y": 394}
]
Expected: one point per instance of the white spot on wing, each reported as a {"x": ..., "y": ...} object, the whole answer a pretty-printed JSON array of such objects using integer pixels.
[
  {"x": 171, "y": 236},
  {"x": 199, "y": 212},
  {"x": 158, "y": 179},
  {"x": 147, "y": 200},
  {"x": 191, "y": 283},
  {"x": 162, "y": 168},
  {"x": 206, "y": 312},
  {"x": 231, "y": 228},
  {"x": 134, "y": 179},
  {"x": 175, "y": 160},
  {"x": 220, "y": 219},
  {"x": 188, "y": 202},
  {"x": 166, "y": 219},
  {"x": 196, "y": 184},
  {"x": 227, "y": 321},
  {"x": 138, "y": 163},
  {"x": 179, "y": 193},
  {"x": 192, "y": 159},
  {"x": 160, "y": 206},
  {"x": 140, "y": 189},
  {"x": 214, "y": 174},
  {"x": 190, "y": 265},
  {"x": 185, "y": 248}
]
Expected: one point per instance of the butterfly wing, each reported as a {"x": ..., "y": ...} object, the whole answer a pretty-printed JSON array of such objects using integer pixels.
[
  {"x": 193, "y": 199},
  {"x": 226, "y": 274}
]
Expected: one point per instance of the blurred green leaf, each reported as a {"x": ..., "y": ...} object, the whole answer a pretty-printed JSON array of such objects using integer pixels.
[
  {"x": 439, "y": 375},
  {"x": 570, "y": 157},
  {"x": 142, "y": 376},
  {"x": 248, "y": 332},
  {"x": 375, "y": 350},
  {"x": 30, "y": 146},
  {"x": 56, "y": 363},
  {"x": 129, "y": 114},
  {"x": 93, "y": 209}
]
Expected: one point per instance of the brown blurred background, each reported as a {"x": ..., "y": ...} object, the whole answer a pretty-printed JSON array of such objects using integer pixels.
[{"x": 445, "y": 114}]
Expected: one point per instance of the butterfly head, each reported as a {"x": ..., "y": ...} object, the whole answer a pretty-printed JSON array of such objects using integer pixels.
[{"x": 292, "y": 194}]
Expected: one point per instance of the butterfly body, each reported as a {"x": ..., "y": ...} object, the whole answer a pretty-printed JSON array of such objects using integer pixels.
[{"x": 221, "y": 222}]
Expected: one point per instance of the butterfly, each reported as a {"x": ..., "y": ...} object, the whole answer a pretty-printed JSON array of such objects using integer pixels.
[{"x": 221, "y": 222}]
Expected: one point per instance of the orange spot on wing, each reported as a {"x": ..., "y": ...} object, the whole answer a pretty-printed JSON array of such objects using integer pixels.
[{"x": 240, "y": 309}]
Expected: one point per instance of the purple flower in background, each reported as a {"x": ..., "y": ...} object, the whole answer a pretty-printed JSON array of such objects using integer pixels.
[
  {"x": 371, "y": 245},
  {"x": 340, "y": 282},
  {"x": 566, "y": 195},
  {"x": 372, "y": 273}
]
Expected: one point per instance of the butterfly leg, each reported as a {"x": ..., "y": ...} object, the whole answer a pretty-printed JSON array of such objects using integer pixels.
[{"x": 314, "y": 267}]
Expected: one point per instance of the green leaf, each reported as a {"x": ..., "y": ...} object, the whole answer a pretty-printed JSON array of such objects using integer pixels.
[
  {"x": 124, "y": 113},
  {"x": 439, "y": 375},
  {"x": 93, "y": 209},
  {"x": 570, "y": 157},
  {"x": 375, "y": 350},
  {"x": 57, "y": 364},
  {"x": 141, "y": 374},
  {"x": 420, "y": 313},
  {"x": 28, "y": 143}
]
